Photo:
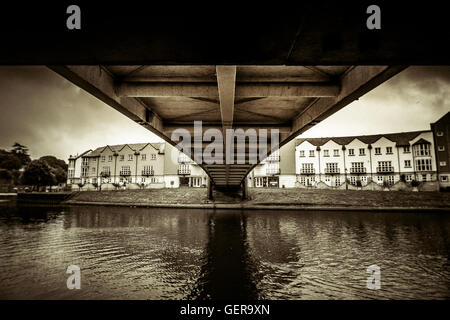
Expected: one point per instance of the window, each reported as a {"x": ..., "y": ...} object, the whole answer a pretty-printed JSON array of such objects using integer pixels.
[
  {"x": 336, "y": 153},
  {"x": 327, "y": 178},
  {"x": 332, "y": 168},
  {"x": 388, "y": 150},
  {"x": 307, "y": 168},
  {"x": 407, "y": 163},
  {"x": 422, "y": 149},
  {"x": 326, "y": 153},
  {"x": 441, "y": 148},
  {"x": 184, "y": 169},
  {"x": 148, "y": 170},
  {"x": 351, "y": 152},
  {"x": 71, "y": 173},
  {"x": 302, "y": 153},
  {"x": 103, "y": 158},
  {"x": 85, "y": 161},
  {"x": 444, "y": 178},
  {"x": 121, "y": 157},
  {"x": 130, "y": 157},
  {"x": 84, "y": 172},
  {"x": 442, "y": 163},
  {"x": 408, "y": 177},
  {"x": 153, "y": 156},
  {"x": 357, "y": 167},
  {"x": 423, "y": 165},
  {"x": 390, "y": 180},
  {"x": 125, "y": 171},
  {"x": 105, "y": 170},
  {"x": 143, "y": 157},
  {"x": 362, "y": 151},
  {"x": 377, "y": 150},
  {"x": 337, "y": 182},
  {"x": 424, "y": 177},
  {"x": 406, "y": 149},
  {"x": 93, "y": 170},
  {"x": 353, "y": 180},
  {"x": 311, "y": 153},
  {"x": 380, "y": 178},
  {"x": 439, "y": 133},
  {"x": 385, "y": 166},
  {"x": 94, "y": 180},
  {"x": 110, "y": 158}
]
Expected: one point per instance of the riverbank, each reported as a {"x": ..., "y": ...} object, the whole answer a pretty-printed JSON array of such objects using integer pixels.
[{"x": 289, "y": 199}]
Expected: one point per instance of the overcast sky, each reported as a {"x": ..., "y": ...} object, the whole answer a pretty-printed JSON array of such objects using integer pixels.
[{"x": 51, "y": 116}]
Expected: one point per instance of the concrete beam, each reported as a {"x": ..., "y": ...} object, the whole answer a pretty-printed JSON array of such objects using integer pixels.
[
  {"x": 355, "y": 83},
  {"x": 226, "y": 82},
  {"x": 100, "y": 83},
  {"x": 243, "y": 90}
]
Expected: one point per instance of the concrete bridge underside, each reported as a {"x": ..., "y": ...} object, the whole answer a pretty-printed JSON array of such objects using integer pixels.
[{"x": 291, "y": 99}]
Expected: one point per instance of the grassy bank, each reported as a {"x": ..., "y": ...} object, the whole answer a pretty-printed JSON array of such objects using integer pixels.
[
  {"x": 271, "y": 197},
  {"x": 150, "y": 196},
  {"x": 355, "y": 198}
]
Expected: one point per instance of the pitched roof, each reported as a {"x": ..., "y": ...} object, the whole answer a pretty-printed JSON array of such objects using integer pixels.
[
  {"x": 400, "y": 138},
  {"x": 119, "y": 147}
]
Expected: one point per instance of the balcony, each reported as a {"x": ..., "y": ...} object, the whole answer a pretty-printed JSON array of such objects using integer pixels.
[
  {"x": 105, "y": 174},
  {"x": 388, "y": 169},
  {"x": 273, "y": 159},
  {"x": 125, "y": 173},
  {"x": 307, "y": 171},
  {"x": 184, "y": 171},
  {"x": 357, "y": 170},
  {"x": 147, "y": 173},
  {"x": 272, "y": 171},
  {"x": 183, "y": 159},
  {"x": 332, "y": 170}
]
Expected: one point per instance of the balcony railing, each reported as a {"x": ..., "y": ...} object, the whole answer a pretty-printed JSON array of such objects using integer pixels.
[
  {"x": 357, "y": 170},
  {"x": 332, "y": 170},
  {"x": 388, "y": 169},
  {"x": 183, "y": 159},
  {"x": 307, "y": 171},
  {"x": 125, "y": 173},
  {"x": 272, "y": 171},
  {"x": 273, "y": 159},
  {"x": 147, "y": 173},
  {"x": 183, "y": 171}
]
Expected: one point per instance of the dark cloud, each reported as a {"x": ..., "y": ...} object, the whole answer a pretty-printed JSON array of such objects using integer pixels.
[
  {"x": 409, "y": 101},
  {"x": 50, "y": 115}
]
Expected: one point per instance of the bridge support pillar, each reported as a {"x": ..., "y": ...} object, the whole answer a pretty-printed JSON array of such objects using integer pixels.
[
  {"x": 210, "y": 190},
  {"x": 244, "y": 189}
]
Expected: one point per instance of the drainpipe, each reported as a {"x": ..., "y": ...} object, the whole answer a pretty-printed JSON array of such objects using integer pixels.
[
  {"x": 98, "y": 184},
  {"x": 398, "y": 158},
  {"x": 369, "y": 147},
  {"x": 345, "y": 169},
  {"x": 135, "y": 175},
  {"x": 115, "y": 166},
  {"x": 318, "y": 152}
]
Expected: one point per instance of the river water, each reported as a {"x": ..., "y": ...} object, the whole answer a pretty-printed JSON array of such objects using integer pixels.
[{"x": 137, "y": 253}]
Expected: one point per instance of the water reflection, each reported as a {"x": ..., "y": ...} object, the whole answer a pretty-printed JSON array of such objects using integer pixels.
[
  {"x": 130, "y": 253},
  {"x": 228, "y": 271}
]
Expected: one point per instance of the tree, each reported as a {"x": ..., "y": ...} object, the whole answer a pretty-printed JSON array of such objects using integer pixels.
[
  {"x": 38, "y": 174},
  {"x": 9, "y": 161},
  {"x": 58, "y": 167},
  {"x": 21, "y": 152}
]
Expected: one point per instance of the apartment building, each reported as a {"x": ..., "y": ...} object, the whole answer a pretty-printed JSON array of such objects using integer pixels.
[
  {"x": 383, "y": 159},
  {"x": 276, "y": 171},
  {"x": 441, "y": 133},
  {"x": 74, "y": 168},
  {"x": 140, "y": 165}
]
